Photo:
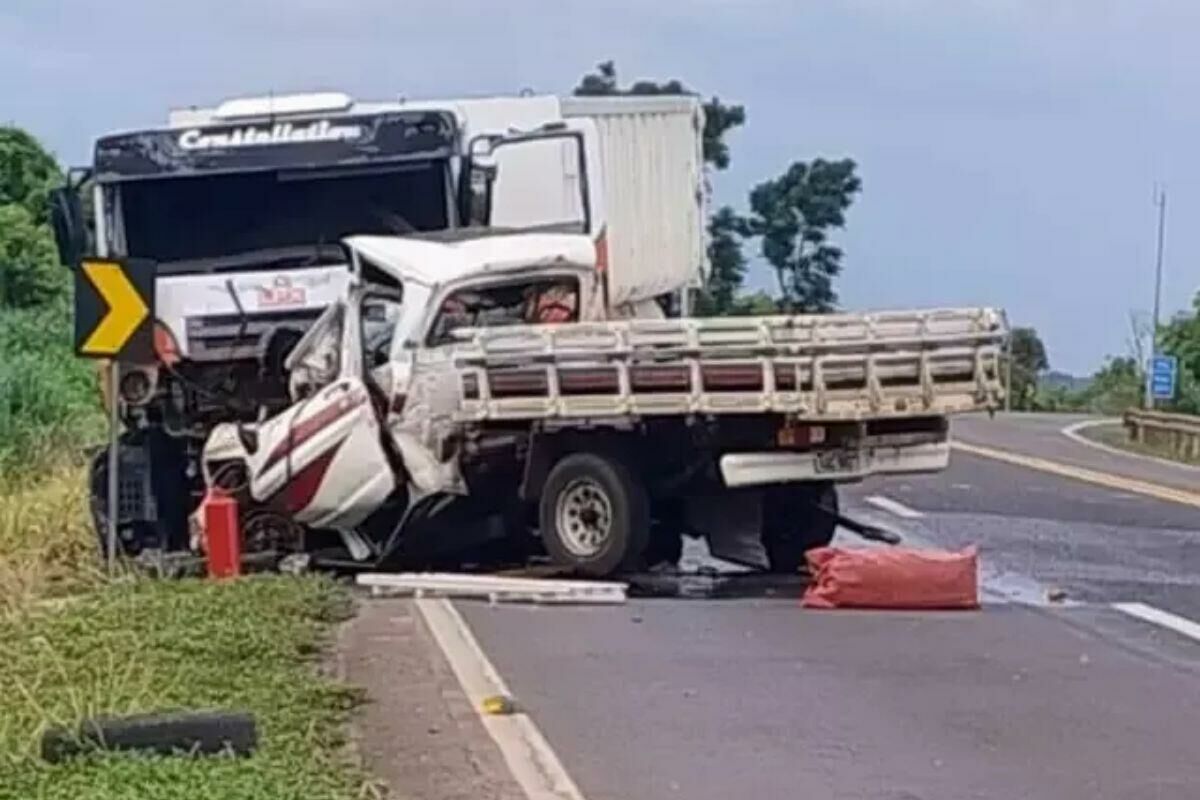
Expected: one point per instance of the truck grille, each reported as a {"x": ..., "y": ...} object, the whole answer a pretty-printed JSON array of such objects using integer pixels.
[{"x": 231, "y": 337}]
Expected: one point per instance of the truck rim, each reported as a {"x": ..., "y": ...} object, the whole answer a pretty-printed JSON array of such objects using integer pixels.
[{"x": 584, "y": 516}]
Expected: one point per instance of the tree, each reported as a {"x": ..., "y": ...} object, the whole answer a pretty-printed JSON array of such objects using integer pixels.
[
  {"x": 757, "y": 304},
  {"x": 29, "y": 271},
  {"x": 727, "y": 263},
  {"x": 1028, "y": 356},
  {"x": 27, "y": 173},
  {"x": 1181, "y": 338},
  {"x": 719, "y": 118},
  {"x": 793, "y": 214},
  {"x": 1116, "y": 386},
  {"x": 30, "y": 274}
]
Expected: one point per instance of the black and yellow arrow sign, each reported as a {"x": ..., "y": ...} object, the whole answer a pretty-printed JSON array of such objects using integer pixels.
[{"x": 114, "y": 309}]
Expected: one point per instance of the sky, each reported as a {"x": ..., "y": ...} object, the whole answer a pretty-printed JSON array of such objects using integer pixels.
[{"x": 1009, "y": 149}]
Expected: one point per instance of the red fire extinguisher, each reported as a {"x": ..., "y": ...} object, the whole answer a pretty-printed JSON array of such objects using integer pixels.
[{"x": 223, "y": 537}]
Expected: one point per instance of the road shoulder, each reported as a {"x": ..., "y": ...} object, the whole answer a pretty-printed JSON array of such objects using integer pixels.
[{"x": 418, "y": 732}]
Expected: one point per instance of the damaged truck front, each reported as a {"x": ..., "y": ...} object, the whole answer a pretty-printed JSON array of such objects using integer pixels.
[
  {"x": 242, "y": 208},
  {"x": 474, "y": 387}
]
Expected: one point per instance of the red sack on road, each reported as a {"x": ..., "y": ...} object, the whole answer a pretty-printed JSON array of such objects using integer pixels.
[{"x": 892, "y": 577}]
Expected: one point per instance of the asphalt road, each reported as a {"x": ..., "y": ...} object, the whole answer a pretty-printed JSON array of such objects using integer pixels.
[
  {"x": 1040, "y": 436},
  {"x": 1023, "y": 699}
]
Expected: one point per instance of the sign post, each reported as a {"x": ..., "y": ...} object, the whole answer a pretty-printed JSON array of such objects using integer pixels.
[
  {"x": 1164, "y": 372},
  {"x": 114, "y": 321}
]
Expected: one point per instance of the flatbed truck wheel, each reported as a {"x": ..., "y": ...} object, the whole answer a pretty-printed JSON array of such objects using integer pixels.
[
  {"x": 594, "y": 514},
  {"x": 797, "y": 518}
]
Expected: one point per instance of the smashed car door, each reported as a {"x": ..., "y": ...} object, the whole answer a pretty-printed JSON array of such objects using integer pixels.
[{"x": 322, "y": 460}]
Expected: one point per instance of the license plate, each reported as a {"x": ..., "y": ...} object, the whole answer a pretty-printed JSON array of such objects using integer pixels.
[{"x": 837, "y": 461}]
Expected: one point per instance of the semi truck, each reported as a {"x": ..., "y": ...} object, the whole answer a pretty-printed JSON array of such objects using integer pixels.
[{"x": 243, "y": 208}]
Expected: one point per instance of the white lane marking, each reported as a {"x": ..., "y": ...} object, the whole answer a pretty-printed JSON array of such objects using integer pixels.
[
  {"x": 529, "y": 756},
  {"x": 1072, "y": 432},
  {"x": 1166, "y": 619},
  {"x": 893, "y": 507}
]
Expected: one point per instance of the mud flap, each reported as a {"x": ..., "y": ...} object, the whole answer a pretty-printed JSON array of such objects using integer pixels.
[{"x": 731, "y": 523}]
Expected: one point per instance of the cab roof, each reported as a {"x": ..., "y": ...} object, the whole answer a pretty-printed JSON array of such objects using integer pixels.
[{"x": 433, "y": 262}]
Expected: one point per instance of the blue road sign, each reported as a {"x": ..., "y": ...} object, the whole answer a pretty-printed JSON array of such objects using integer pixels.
[{"x": 1163, "y": 373}]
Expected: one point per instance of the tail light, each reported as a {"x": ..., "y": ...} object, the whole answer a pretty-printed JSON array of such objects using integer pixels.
[{"x": 165, "y": 346}]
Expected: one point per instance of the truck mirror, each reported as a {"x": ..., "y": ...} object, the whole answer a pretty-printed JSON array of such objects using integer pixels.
[
  {"x": 481, "y": 176},
  {"x": 66, "y": 218}
]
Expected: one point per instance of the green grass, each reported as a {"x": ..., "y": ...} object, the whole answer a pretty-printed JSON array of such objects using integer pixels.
[
  {"x": 1114, "y": 435},
  {"x": 141, "y": 646}
]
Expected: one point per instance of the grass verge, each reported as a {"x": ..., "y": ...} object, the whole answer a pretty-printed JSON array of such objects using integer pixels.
[
  {"x": 1114, "y": 435},
  {"x": 47, "y": 547},
  {"x": 147, "y": 646}
]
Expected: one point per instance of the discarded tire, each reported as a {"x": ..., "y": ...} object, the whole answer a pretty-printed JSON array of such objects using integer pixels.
[
  {"x": 594, "y": 514},
  {"x": 797, "y": 517},
  {"x": 197, "y": 733}
]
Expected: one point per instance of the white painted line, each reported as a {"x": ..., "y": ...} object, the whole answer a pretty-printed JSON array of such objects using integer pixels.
[
  {"x": 1072, "y": 432},
  {"x": 1166, "y": 619},
  {"x": 532, "y": 761},
  {"x": 893, "y": 507}
]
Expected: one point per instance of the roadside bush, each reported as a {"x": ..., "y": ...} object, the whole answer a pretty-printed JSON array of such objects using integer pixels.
[{"x": 49, "y": 399}]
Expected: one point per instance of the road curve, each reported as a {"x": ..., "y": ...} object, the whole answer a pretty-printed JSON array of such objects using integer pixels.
[{"x": 1041, "y": 436}]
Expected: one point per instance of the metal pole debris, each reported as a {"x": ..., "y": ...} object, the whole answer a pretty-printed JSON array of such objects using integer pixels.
[{"x": 494, "y": 588}]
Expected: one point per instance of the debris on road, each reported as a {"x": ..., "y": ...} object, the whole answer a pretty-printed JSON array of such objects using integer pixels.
[
  {"x": 494, "y": 588},
  {"x": 498, "y": 705},
  {"x": 899, "y": 577}
]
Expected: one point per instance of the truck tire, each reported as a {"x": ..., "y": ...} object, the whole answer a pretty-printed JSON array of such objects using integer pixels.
[
  {"x": 797, "y": 518},
  {"x": 594, "y": 514}
]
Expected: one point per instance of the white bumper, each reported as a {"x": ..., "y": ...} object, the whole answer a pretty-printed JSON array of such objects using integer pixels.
[{"x": 756, "y": 469}]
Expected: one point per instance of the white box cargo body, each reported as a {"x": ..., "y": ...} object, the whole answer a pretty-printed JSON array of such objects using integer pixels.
[{"x": 654, "y": 191}]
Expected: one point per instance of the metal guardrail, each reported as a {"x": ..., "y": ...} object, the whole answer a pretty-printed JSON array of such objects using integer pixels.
[{"x": 1179, "y": 433}]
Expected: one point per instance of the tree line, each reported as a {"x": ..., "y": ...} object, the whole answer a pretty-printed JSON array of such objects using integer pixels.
[{"x": 1120, "y": 382}]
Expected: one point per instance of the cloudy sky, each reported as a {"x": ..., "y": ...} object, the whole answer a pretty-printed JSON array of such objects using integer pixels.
[{"x": 1009, "y": 148}]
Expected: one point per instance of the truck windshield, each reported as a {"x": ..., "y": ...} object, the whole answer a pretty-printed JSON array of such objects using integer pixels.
[{"x": 192, "y": 219}]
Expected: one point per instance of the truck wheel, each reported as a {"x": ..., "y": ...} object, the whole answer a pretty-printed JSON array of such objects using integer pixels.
[
  {"x": 594, "y": 514},
  {"x": 794, "y": 522}
]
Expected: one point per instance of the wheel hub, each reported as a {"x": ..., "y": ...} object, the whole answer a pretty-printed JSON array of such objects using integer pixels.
[{"x": 583, "y": 514}]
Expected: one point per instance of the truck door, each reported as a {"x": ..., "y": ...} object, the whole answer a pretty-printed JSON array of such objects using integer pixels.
[
  {"x": 549, "y": 179},
  {"x": 323, "y": 460}
]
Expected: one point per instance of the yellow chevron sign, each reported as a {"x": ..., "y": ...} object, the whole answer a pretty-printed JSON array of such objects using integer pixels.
[{"x": 114, "y": 310}]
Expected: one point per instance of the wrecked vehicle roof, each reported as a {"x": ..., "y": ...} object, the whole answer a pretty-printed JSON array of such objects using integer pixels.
[{"x": 433, "y": 263}]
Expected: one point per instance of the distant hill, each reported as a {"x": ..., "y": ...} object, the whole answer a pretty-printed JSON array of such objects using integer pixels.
[{"x": 1072, "y": 383}]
